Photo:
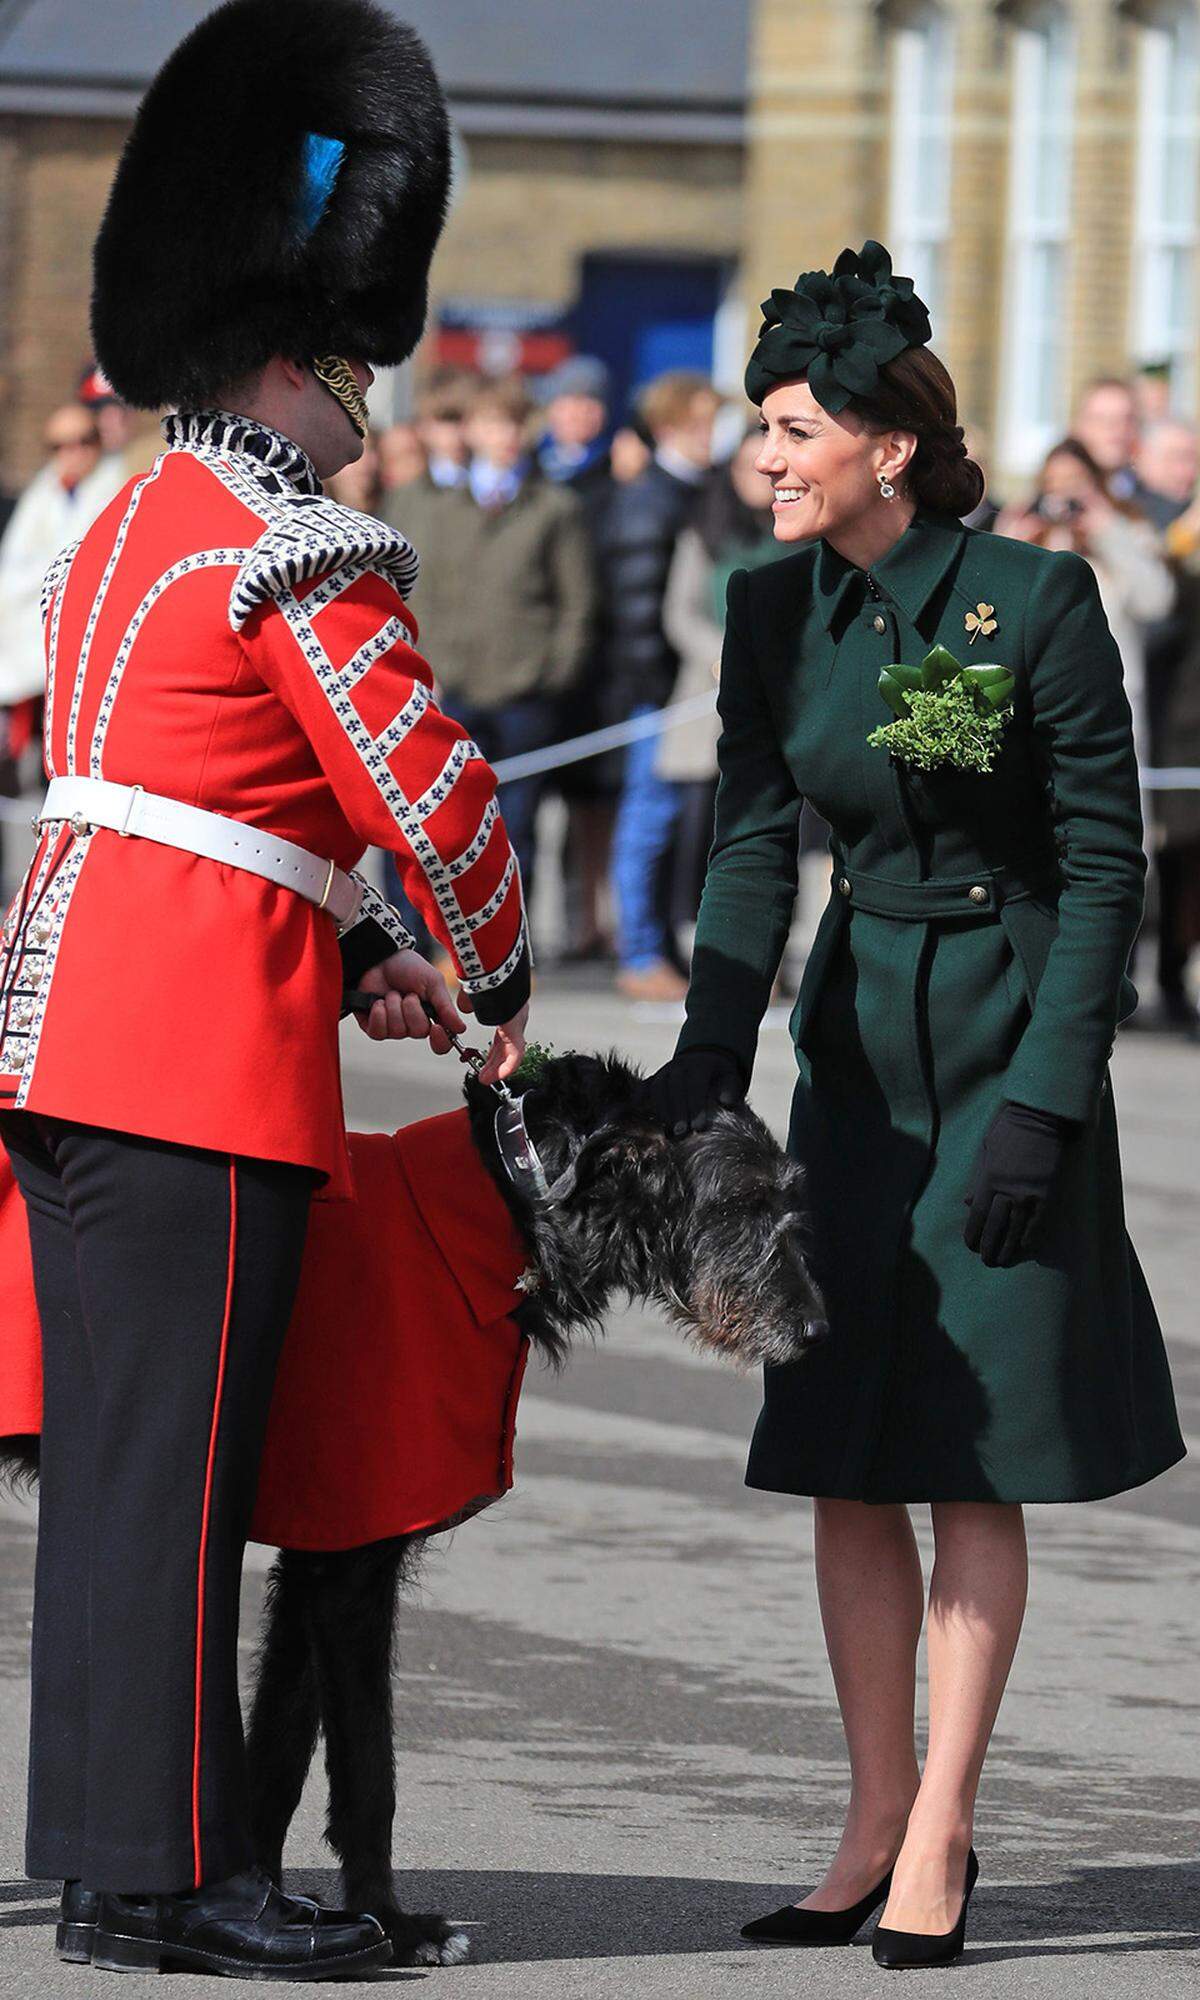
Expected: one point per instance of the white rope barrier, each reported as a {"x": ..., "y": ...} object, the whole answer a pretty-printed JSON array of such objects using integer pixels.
[
  {"x": 1181, "y": 778},
  {"x": 617, "y": 734}
]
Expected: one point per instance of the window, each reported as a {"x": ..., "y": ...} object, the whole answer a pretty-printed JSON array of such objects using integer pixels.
[
  {"x": 1165, "y": 229},
  {"x": 1033, "y": 379},
  {"x": 920, "y": 124}
]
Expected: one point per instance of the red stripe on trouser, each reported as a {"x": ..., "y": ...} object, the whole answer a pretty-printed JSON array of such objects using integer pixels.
[{"x": 208, "y": 1487}]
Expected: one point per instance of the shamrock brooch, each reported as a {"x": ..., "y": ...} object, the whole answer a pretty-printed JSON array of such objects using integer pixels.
[
  {"x": 947, "y": 715},
  {"x": 980, "y": 620}
]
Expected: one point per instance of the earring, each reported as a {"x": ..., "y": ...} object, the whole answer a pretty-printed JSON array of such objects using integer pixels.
[{"x": 886, "y": 490}]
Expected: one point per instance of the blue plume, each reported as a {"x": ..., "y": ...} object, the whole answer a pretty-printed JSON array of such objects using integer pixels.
[{"x": 320, "y": 164}]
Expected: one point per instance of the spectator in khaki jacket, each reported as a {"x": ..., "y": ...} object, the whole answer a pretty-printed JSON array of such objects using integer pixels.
[{"x": 506, "y": 594}]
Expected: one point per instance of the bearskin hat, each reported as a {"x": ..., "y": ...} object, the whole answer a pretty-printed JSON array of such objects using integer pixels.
[{"x": 282, "y": 192}]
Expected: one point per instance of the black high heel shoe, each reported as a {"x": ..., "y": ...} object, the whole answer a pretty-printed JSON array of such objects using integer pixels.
[
  {"x": 791, "y": 1925},
  {"x": 903, "y": 1950}
]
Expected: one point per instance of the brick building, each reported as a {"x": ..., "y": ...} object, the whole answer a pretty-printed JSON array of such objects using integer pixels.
[{"x": 635, "y": 177}]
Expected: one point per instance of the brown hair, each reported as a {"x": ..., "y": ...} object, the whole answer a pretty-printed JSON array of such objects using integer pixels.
[
  {"x": 445, "y": 397},
  {"x": 667, "y": 401},
  {"x": 508, "y": 394},
  {"x": 916, "y": 393}
]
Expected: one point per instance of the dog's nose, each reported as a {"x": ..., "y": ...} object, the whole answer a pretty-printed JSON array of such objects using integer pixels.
[{"x": 815, "y": 1331}]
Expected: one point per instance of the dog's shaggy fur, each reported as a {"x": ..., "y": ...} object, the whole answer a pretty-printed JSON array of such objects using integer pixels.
[{"x": 712, "y": 1228}]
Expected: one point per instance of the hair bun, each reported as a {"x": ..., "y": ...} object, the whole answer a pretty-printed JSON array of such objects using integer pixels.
[
  {"x": 947, "y": 477},
  {"x": 947, "y": 443}
]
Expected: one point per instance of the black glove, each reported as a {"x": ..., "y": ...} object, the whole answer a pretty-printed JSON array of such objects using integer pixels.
[
  {"x": 683, "y": 1094},
  {"x": 1015, "y": 1173}
]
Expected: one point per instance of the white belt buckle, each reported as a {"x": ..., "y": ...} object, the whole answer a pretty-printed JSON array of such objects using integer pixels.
[{"x": 131, "y": 808}]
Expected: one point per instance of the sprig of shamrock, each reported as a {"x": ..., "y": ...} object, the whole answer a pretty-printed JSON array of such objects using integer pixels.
[
  {"x": 946, "y": 713},
  {"x": 533, "y": 1063}
]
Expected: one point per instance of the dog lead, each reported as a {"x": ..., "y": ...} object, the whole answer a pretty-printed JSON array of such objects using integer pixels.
[{"x": 518, "y": 1154}]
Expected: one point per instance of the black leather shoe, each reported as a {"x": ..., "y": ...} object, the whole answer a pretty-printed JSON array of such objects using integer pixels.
[
  {"x": 76, "y": 1933},
  {"x": 791, "y": 1925},
  {"x": 906, "y": 1950},
  {"x": 245, "y": 1928}
]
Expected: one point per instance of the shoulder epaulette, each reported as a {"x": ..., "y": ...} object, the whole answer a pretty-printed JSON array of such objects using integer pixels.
[{"x": 312, "y": 537}]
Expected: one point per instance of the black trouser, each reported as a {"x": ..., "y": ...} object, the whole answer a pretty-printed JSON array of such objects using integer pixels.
[{"x": 165, "y": 1278}]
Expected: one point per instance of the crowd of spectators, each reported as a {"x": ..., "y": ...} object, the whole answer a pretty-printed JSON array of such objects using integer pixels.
[
  {"x": 1121, "y": 490},
  {"x": 573, "y": 576}
]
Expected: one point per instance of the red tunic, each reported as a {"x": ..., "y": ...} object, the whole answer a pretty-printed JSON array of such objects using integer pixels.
[
  {"x": 226, "y": 636},
  {"x": 395, "y": 1401}
]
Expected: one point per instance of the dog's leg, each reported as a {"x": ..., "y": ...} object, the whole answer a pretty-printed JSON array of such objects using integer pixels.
[
  {"x": 283, "y": 1718},
  {"x": 354, "y": 1607}
]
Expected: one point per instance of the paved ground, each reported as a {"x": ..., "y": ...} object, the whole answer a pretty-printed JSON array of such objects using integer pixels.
[{"x": 618, "y": 1735}]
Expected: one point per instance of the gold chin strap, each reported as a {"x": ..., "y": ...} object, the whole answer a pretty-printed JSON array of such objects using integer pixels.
[{"x": 338, "y": 377}]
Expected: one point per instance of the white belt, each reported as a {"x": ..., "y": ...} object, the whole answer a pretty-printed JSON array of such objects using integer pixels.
[{"x": 128, "y": 810}]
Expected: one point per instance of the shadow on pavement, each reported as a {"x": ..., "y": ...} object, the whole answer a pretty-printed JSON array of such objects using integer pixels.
[
  {"x": 41, "y": 1905},
  {"x": 523, "y": 1918}
]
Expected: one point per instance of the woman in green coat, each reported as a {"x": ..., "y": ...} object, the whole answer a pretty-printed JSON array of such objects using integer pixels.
[{"x": 992, "y": 1339}]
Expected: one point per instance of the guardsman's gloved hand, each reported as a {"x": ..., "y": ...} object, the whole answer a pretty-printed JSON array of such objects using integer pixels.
[
  {"x": 684, "y": 1093},
  {"x": 1015, "y": 1174}
]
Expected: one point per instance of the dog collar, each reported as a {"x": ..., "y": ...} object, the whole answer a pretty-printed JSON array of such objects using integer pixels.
[
  {"x": 520, "y": 1157},
  {"x": 518, "y": 1154}
]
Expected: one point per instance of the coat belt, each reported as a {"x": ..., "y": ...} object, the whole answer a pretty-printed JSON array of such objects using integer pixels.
[
  {"x": 981, "y": 895},
  {"x": 87, "y": 803}
]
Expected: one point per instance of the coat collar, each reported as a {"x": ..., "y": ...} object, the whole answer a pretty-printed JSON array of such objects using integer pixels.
[
  {"x": 222, "y": 432},
  {"x": 909, "y": 573}
]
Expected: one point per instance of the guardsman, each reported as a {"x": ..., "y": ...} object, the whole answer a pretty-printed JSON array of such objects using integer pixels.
[{"x": 235, "y": 710}]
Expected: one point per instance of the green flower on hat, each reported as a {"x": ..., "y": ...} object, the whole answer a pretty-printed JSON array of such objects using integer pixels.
[
  {"x": 838, "y": 328},
  {"x": 897, "y": 295}
]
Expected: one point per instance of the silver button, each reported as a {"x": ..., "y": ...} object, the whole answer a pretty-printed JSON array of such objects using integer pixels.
[
  {"x": 978, "y": 894},
  {"x": 879, "y": 622},
  {"x": 843, "y": 885},
  {"x": 79, "y": 826}
]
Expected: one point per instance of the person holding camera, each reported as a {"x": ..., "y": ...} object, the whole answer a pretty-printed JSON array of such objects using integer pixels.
[{"x": 1072, "y": 509}]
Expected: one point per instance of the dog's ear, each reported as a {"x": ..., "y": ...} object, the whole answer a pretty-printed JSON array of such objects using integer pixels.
[{"x": 621, "y": 1157}]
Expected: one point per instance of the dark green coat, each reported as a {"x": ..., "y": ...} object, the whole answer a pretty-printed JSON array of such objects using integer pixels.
[{"x": 974, "y": 949}]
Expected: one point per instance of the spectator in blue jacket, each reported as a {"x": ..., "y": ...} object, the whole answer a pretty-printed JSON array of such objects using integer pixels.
[{"x": 637, "y": 537}]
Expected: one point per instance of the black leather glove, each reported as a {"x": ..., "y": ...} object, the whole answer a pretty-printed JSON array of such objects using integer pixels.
[
  {"x": 1015, "y": 1174},
  {"x": 684, "y": 1092}
]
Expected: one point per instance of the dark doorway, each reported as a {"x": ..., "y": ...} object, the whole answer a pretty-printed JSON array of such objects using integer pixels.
[{"x": 644, "y": 314}]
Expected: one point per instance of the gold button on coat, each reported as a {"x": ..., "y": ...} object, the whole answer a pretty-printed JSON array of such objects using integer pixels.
[
  {"x": 879, "y": 622},
  {"x": 978, "y": 894},
  {"x": 843, "y": 886}
]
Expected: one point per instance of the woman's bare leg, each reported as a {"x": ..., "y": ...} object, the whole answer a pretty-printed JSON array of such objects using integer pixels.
[
  {"x": 872, "y": 1602},
  {"x": 976, "y": 1605}
]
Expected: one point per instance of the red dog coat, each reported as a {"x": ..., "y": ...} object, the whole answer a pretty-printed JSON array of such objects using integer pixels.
[{"x": 395, "y": 1403}]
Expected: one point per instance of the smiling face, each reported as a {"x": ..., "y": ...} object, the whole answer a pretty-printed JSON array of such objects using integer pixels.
[{"x": 825, "y": 470}]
